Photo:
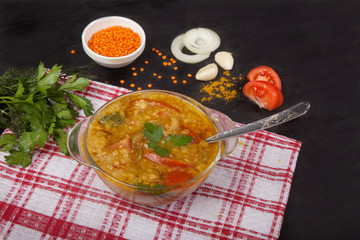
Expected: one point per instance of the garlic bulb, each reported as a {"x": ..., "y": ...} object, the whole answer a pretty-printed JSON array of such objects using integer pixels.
[
  {"x": 207, "y": 73},
  {"x": 225, "y": 60}
]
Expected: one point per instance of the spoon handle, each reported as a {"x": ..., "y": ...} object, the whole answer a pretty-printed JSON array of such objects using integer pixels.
[{"x": 274, "y": 120}]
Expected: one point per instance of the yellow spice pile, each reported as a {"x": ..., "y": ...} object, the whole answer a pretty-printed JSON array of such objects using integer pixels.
[{"x": 224, "y": 88}]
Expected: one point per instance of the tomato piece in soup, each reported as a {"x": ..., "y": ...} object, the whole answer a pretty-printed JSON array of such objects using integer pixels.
[
  {"x": 170, "y": 162},
  {"x": 176, "y": 177}
]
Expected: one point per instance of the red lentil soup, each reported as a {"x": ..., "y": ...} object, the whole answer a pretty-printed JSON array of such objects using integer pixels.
[{"x": 152, "y": 139}]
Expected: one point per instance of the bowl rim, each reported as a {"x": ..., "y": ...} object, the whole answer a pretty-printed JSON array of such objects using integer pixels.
[
  {"x": 189, "y": 100},
  {"x": 141, "y": 34}
]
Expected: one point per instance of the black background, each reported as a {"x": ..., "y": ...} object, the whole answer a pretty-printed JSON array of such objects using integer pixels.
[{"x": 313, "y": 45}]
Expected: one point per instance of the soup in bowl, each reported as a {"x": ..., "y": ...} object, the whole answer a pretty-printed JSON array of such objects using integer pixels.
[{"x": 150, "y": 146}]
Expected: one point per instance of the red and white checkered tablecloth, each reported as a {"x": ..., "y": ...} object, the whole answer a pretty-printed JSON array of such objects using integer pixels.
[{"x": 56, "y": 198}]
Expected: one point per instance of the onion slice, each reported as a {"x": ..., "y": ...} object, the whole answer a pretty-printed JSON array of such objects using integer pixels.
[
  {"x": 176, "y": 48},
  {"x": 201, "y": 40}
]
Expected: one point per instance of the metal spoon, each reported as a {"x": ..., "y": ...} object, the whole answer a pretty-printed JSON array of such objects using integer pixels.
[{"x": 274, "y": 120}]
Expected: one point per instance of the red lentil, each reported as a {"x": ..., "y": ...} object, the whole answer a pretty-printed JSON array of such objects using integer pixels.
[
  {"x": 114, "y": 41},
  {"x": 134, "y": 74},
  {"x": 132, "y": 85},
  {"x": 122, "y": 81}
]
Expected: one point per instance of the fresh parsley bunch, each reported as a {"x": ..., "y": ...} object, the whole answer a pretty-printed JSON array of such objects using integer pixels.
[{"x": 34, "y": 107}]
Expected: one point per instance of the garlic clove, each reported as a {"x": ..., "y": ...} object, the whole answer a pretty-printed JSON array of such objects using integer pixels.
[
  {"x": 207, "y": 73},
  {"x": 225, "y": 60}
]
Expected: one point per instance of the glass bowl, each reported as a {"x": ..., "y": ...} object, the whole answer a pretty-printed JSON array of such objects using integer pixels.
[{"x": 76, "y": 144}]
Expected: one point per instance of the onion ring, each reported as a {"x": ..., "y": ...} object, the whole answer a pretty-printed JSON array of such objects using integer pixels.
[
  {"x": 201, "y": 40},
  {"x": 176, "y": 48}
]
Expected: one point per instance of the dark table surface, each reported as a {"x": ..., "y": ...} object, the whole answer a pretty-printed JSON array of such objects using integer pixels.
[{"x": 313, "y": 45}]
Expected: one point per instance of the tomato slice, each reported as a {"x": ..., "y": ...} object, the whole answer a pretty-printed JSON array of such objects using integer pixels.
[
  {"x": 176, "y": 177},
  {"x": 266, "y": 74},
  {"x": 264, "y": 94},
  {"x": 170, "y": 162}
]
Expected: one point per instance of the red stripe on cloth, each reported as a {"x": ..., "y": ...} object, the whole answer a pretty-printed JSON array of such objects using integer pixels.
[{"x": 60, "y": 228}]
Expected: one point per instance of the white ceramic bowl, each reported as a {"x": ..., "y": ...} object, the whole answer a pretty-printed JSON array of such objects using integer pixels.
[{"x": 105, "y": 22}]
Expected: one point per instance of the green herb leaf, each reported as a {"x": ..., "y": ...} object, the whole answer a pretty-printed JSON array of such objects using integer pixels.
[
  {"x": 18, "y": 157},
  {"x": 27, "y": 141},
  {"x": 36, "y": 121},
  {"x": 60, "y": 137},
  {"x": 42, "y": 139},
  {"x": 28, "y": 108},
  {"x": 20, "y": 90},
  {"x": 7, "y": 141},
  {"x": 74, "y": 84},
  {"x": 40, "y": 71},
  {"x": 179, "y": 140},
  {"x": 153, "y": 133},
  {"x": 81, "y": 102},
  {"x": 66, "y": 114},
  {"x": 49, "y": 79},
  {"x": 162, "y": 152}
]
